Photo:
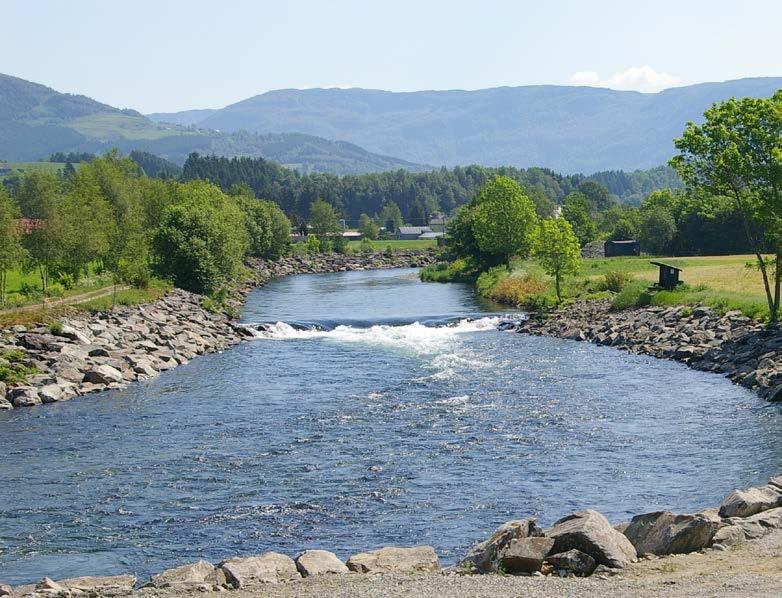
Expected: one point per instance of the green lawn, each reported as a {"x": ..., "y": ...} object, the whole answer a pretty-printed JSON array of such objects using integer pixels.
[
  {"x": 31, "y": 167},
  {"x": 106, "y": 126},
  {"x": 395, "y": 244},
  {"x": 722, "y": 282},
  {"x": 24, "y": 288}
]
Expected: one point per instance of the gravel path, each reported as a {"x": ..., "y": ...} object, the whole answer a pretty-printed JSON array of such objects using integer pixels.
[{"x": 751, "y": 569}]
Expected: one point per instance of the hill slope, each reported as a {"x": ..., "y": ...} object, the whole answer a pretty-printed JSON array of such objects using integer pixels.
[
  {"x": 572, "y": 129},
  {"x": 36, "y": 121}
]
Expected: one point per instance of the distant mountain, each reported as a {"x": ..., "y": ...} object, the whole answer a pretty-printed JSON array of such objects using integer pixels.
[
  {"x": 569, "y": 129},
  {"x": 185, "y": 118},
  {"x": 36, "y": 121}
]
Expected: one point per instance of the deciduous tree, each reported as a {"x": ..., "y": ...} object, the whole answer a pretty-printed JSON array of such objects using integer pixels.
[{"x": 558, "y": 251}]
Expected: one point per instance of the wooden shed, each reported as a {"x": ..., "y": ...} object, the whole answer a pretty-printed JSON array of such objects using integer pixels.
[
  {"x": 669, "y": 276},
  {"x": 620, "y": 248}
]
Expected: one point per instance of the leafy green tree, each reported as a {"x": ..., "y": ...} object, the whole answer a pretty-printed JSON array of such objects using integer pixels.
[
  {"x": 339, "y": 244},
  {"x": 258, "y": 220},
  {"x": 503, "y": 220},
  {"x": 577, "y": 211},
  {"x": 323, "y": 219},
  {"x": 598, "y": 196},
  {"x": 367, "y": 227},
  {"x": 558, "y": 251},
  {"x": 737, "y": 152},
  {"x": 313, "y": 244},
  {"x": 12, "y": 252},
  {"x": 39, "y": 197},
  {"x": 391, "y": 217},
  {"x": 202, "y": 239},
  {"x": 656, "y": 230},
  {"x": 281, "y": 231}
]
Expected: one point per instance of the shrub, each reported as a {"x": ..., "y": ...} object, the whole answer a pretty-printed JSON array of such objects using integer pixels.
[
  {"x": 12, "y": 371},
  {"x": 522, "y": 291},
  {"x": 366, "y": 246},
  {"x": 615, "y": 281},
  {"x": 389, "y": 252},
  {"x": 55, "y": 328},
  {"x": 634, "y": 294},
  {"x": 313, "y": 244},
  {"x": 460, "y": 270},
  {"x": 490, "y": 279}
]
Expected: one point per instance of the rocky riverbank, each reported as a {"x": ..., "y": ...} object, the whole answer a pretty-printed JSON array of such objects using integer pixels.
[
  {"x": 579, "y": 545},
  {"x": 87, "y": 353},
  {"x": 731, "y": 344}
]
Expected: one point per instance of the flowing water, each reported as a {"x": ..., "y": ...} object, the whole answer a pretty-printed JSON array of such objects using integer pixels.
[{"x": 379, "y": 410}]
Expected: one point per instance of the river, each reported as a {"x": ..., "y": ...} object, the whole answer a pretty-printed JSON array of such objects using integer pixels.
[{"x": 382, "y": 411}]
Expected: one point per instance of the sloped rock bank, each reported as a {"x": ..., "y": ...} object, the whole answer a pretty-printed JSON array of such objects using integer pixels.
[
  {"x": 90, "y": 353},
  {"x": 731, "y": 344}
]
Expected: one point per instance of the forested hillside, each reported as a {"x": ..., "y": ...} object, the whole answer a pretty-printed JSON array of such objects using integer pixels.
[
  {"x": 418, "y": 195},
  {"x": 36, "y": 121},
  {"x": 568, "y": 129}
]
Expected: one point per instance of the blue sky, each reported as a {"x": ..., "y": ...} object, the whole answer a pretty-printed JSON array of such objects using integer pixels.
[{"x": 168, "y": 55}]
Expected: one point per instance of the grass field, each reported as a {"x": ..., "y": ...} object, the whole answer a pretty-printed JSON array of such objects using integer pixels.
[
  {"x": 30, "y": 167},
  {"x": 394, "y": 244},
  {"x": 106, "y": 126}
]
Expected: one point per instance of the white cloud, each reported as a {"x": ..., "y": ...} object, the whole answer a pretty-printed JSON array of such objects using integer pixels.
[{"x": 636, "y": 78}]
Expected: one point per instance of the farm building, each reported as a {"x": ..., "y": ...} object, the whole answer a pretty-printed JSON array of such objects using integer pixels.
[{"x": 410, "y": 233}]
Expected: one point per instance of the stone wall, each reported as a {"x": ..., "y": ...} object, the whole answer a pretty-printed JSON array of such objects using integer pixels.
[{"x": 90, "y": 353}]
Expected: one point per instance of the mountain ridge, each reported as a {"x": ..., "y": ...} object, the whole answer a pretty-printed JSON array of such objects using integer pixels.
[{"x": 566, "y": 128}]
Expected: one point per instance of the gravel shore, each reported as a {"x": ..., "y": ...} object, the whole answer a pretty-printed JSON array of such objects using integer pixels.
[{"x": 751, "y": 569}]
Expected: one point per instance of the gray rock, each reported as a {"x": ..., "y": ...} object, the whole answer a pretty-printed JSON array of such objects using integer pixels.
[
  {"x": 663, "y": 532},
  {"x": 590, "y": 532},
  {"x": 760, "y": 524},
  {"x": 24, "y": 396},
  {"x": 195, "y": 574},
  {"x": 524, "y": 555},
  {"x": 744, "y": 503},
  {"x": 419, "y": 559},
  {"x": 103, "y": 374},
  {"x": 5, "y": 404},
  {"x": 6, "y": 590},
  {"x": 484, "y": 556},
  {"x": 319, "y": 562},
  {"x": 3, "y": 389},
  {"x": 70, "y": 332},
  {"x": 51, "y": 393},
  {"x": 270, "y": 567},
  {"x": 50, "y": 585},
  {"x": 91, "y": 583},
  {"x": 729, "y": 535},
  {"x": 573, "y": 561}
]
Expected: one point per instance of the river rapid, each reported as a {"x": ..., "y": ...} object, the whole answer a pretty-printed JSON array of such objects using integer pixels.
[{"x": 372, "y": 410}]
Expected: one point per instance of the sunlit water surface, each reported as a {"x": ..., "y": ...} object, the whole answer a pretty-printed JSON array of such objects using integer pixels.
[{"x": 380, "y": 426}]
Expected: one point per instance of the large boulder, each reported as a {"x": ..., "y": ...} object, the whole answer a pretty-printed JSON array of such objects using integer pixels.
[
  {"x": 270, "y": 567},
  {"x": 573, "y": 561},
  {"x": 51, "y": 393},
  {"x": 760, "y": 524},
  {"x": 745, "y": 503},
  {"x": 524, "y": 555},
  {"x": 24, "y": 396},
  {"x": 201, "y": 574},
  {"x": 319, "y": 562},
  {"x": 662, "y": 532},
  {"x": 591, "y": 533},
  {"x": 483, "y": 557},
  {"x": 729, "y": 535},
  {"x": 98, "y": 584},
  {"x": 419, "y": 559},
  {"x": 70, "y": 332},
  {"x": 103, "y": 374}
]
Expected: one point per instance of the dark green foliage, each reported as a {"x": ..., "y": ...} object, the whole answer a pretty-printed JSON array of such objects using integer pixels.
[{"x": 155, "y": 166}]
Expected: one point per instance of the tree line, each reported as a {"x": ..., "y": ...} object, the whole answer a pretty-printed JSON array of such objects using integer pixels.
[{"x": 108, "y": 215}]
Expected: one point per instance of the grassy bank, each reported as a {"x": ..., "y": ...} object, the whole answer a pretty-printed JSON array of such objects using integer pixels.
[
  {"x": 380, "y": 245},
  {"x": 723, "y": 282}
]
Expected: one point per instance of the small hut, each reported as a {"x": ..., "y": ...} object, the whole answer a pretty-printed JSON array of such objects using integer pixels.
[
  {"x": 669, "y": 276},
  {"x": 620, "y": 248}
]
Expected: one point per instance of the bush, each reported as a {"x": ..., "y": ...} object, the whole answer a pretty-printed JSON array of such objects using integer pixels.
[
  {"x": 313, "y": 244},
  {"x": 615, "y": 281},
  {"x": 55, "y": 328},
  {"x": 366, "y": 246},
  {"x": 490, "y": 279},
  {"x": 389, "y": 252},
  {"x": 634, "y": 294},
  {"x": 340, "y": 244},
  {"x": 526, "y": 291},
  {"x": 12, "y": 371},
  {"x": 460, "y": 270}
]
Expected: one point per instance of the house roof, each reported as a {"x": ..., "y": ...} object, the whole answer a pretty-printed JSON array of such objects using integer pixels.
[
  {"x": 431, "y": 235},
  {"x": 414, "y": 230}
]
